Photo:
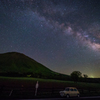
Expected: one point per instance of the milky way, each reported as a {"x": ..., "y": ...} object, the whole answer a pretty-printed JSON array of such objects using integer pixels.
[{"x": 63, "y": 35}]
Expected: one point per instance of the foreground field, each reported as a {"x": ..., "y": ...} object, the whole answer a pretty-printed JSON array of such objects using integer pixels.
[
  {"x": 45, "y": 83},
  {"x": 23, "y": 87}
]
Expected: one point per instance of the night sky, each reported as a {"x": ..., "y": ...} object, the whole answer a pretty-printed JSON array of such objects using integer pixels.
[{"x": 63, "y": 35}]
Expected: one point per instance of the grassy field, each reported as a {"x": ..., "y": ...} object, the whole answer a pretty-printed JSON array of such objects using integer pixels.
[
  {"x": 47, "y": 87},
  {"x": 55, "y": 83}
]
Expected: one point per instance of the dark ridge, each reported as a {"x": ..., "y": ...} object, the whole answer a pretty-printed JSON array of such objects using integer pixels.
[{"x": 18, "y": 64}]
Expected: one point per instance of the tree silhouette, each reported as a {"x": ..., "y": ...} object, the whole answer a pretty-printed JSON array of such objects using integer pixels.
[
  {"x": 85, "y": 76},
  {"x": 75, "y": 75}
]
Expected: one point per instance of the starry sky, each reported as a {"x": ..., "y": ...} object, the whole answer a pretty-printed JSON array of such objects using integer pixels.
[{"x": 63, "y": 35}]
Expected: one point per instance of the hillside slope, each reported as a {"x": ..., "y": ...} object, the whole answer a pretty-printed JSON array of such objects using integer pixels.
[{"x": 18, "y": 64}]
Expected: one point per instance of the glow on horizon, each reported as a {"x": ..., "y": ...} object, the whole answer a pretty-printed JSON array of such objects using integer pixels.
[{"x": 92, "y": 76}]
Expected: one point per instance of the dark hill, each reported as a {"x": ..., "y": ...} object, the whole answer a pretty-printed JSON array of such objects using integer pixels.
[{"x": 17, "y": 63}]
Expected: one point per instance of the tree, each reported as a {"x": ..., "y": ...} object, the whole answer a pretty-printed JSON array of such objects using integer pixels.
[
  {"x": 85, "y": 76},
  {"x": 75, "y": 75}
]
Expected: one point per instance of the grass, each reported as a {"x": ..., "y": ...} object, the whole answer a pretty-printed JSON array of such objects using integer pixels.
[
  {"x": 47, "y": 87},
  {"x": 67, "y": 83}
]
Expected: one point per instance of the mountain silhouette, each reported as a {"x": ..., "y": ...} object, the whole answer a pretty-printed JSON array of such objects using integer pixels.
[{"x": 15, "y": 64}]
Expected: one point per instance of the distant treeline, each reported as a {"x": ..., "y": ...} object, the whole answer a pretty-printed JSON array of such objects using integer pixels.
[
  {"x": 90, "y": 80},
  {"x": 56, "y": 76}
]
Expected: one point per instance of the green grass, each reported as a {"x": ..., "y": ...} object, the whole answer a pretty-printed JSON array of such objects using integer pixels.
[
  {"x": 60, "y": 83},
  {"x": 46, "y": 86},
  {"x": 32, "y": 79},
  {"x": 18, "y": 64}
]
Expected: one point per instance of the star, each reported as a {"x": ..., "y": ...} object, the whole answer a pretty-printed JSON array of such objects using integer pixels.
[{"x": 63, "y": 35}]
